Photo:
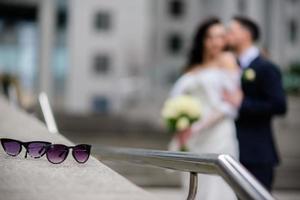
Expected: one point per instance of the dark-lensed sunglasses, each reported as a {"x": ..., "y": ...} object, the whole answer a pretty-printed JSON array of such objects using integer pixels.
[
  {"x": 57, "y": 153},
  {"x": 35, "y": 149}
]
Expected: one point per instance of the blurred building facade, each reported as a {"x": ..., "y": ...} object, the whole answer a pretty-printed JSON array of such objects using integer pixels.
[
  {"x": 109, "y": 44},
  {"x": 122, "y": 56}
]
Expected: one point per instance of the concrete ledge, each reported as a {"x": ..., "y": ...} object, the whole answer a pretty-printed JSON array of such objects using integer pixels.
[{"x": 30, "y": 178}]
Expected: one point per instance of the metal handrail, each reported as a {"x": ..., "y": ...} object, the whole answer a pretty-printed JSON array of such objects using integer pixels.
[{"x": 240, "y": 180}]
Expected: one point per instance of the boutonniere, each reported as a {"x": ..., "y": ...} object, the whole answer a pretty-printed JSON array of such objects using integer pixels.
[{"x": 249, "y": 75}]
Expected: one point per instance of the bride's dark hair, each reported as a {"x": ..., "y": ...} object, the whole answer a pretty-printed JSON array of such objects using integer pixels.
[{"x": 196, "y": 53}]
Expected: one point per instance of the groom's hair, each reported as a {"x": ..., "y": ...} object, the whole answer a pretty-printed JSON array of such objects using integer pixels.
[{"x": 250, "y": 25}]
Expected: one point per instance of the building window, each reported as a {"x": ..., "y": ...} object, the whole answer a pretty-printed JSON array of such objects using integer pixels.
[
  {"x": 102, "y": 21},
  {"x": 102, "y": 64},
  {"x": 100, "y": 104},
  {"x": 174, "y": 43},
  {"x": 293, "y": 30},
  {"x": 176, "y": 8}
]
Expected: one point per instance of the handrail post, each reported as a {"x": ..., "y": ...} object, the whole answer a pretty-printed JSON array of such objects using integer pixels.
[
  {"x": 47, "y": 113},
  {"x": 193, "y": 186}
]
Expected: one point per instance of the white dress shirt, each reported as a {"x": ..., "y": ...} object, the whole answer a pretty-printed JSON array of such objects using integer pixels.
[{"x": 248, "y": 56}]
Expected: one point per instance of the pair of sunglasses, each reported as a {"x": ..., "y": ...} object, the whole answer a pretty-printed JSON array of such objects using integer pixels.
[{"x": 55, "y": 153}]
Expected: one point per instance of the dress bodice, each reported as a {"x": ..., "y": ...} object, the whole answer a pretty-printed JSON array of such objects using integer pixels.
[{"x": 208, "y": 86}]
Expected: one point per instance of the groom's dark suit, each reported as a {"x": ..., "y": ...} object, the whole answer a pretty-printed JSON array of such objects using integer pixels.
[{"x": 264, "y": 98}]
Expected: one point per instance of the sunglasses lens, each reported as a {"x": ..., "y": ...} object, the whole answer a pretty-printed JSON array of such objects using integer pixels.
[
  {"x": 57, "y": 153},
  {"x": 11, "y": 147},
  {"x": 81, "y": 153},
  {"x": 36, "y": 149}
]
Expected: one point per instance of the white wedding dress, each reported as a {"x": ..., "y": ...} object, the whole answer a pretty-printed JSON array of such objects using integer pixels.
[{"x": 208, "y": 86}]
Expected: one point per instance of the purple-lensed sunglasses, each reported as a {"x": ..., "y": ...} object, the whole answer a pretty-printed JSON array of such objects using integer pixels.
[
  {"x": 35, "y": 149},
  {"x": 55, "y": 153}
]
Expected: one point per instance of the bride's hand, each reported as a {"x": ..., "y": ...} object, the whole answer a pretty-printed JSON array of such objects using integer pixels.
[
  {"x": 183, "y": 136},
  {"x": 234, "y": 98}
]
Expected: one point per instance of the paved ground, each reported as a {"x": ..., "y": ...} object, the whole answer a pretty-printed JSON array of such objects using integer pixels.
[{"x": 178, "y": 194}]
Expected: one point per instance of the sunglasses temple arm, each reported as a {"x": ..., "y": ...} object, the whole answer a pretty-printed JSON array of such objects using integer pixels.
[{"x": 26, "y": 153}]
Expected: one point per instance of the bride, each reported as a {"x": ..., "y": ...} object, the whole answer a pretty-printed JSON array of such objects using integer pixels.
[{"x": 211, "y": 73}]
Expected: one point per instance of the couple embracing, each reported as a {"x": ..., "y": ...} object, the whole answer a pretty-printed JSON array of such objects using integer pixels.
[{"x": 240, "y": 91}]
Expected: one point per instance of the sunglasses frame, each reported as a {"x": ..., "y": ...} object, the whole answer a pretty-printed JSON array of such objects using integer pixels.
[
  {"x": 68, "y": 150},
  {"x": 25, "y": 145}
]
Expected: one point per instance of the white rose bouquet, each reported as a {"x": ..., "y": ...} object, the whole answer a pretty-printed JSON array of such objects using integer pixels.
[{"x": 180, "y": 113}]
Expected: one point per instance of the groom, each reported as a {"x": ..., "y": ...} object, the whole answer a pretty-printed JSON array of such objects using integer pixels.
[{"x": 263, "y": 99}]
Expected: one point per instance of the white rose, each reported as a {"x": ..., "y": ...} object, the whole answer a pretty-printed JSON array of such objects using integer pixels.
[
  {"x": 182, "y": 123},
  {"x": 180, "y": 105},
  {"x": 168, "y": 113}
]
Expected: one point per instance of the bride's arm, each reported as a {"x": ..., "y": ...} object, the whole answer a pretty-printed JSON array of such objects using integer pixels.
[
  {"x": 223, "y": 110},
  {"x": 181, "y": 86},
  {"x": 199, "y": 126},
  {"x": 207, "y": 122}
]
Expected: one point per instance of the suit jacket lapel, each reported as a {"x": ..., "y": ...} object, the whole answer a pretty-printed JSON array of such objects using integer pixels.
[{"x": 253, "y": 63}]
